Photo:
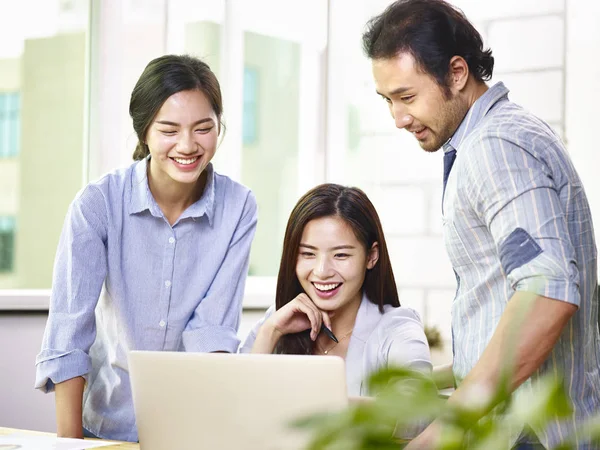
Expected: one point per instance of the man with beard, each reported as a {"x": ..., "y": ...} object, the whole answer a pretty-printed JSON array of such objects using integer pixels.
[{"x": 517, "y": 224}]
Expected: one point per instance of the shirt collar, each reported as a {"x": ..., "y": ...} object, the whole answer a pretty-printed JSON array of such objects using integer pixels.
[
  {"x": 142, "y": 199},
  {"x": 479, "y": 109}
]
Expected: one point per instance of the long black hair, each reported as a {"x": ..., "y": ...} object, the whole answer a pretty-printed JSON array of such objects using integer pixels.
[{"x": 354, "y": 207}]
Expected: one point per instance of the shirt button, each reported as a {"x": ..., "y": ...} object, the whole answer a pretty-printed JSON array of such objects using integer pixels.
[
  {"x": 167, "y": 283},
  {"x": 162, "y": 323},
  {"x": 171, "y": 240}
]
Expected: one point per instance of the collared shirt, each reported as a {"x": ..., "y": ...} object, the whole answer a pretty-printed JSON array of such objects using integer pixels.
[
  {"x": 125, "y": 279},
  {"x": 516, "y": 218},
  {"x": 394, "y": 337}
]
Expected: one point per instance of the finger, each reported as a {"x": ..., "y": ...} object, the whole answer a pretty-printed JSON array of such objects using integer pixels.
[
  {"x": 305, "y": 299},
  {"x": 313, "y": 317},
  {"x": 326, "y": 319}
]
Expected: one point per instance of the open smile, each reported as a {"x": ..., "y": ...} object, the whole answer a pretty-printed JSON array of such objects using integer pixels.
[
  {"x": 186, "y": 161},
  {"x": 186, "y": 164},
  {"x": 327, "y": 290},
  {"x": 419, "y": 133}
]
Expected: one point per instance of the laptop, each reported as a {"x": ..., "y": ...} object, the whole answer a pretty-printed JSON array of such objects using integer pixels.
[{"x": 231, "y": 401}]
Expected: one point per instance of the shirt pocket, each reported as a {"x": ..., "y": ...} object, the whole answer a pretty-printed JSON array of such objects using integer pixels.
[{"x": 454, "y": 242}]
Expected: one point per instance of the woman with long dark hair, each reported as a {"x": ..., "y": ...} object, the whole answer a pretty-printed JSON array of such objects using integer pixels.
[
  {"x": 335, "y": 271},
  {"x": 152, "y": 257}
]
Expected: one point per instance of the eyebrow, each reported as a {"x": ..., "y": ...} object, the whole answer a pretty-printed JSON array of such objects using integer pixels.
[
  {"x": 175, "y": 124},
  {"x": 396, "y": 91},
  {"x": 338, "y": 247}
]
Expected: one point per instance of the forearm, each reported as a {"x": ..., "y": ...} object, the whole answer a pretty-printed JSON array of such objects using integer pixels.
[
  {"x": 443, "y": 376},
  {"x": 526, "y": 334},
  {"x": 69, "y": 398},
  {"x": 266, "y": 339}
]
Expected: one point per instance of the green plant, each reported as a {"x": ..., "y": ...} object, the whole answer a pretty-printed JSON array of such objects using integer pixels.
[
  {"x": 404, "y": 399},
  {"x": 434, "y": 337}
]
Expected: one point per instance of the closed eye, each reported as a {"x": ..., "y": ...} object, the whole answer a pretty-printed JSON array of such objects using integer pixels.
[
  {"x": 342, "y": 255},
  {"x": 168, "y": 132},
  {"x": 407, "y": 98},
  {"x": 204, "y": 130},
  {"x": 307, "y": 254}
]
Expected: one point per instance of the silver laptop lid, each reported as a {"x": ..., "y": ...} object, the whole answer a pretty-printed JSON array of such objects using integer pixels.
[{"x": 230, "y": 401}]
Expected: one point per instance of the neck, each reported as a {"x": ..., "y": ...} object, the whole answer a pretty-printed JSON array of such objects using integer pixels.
[
  {"x": 173, "y": 198},
  {"x": 343, "y": 319},
  {"x": 474, "y": 90}
]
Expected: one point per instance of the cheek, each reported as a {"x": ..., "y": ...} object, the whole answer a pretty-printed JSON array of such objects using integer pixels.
[
  {"x": 303, "y": 267},
  {"x": 208, "y": 141},
  {"x": 159, "y": 142}
]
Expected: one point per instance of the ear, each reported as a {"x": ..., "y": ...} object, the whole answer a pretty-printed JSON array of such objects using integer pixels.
[
  {"x": 373, "y": 255},
  {"x": 458, "y": 73}
]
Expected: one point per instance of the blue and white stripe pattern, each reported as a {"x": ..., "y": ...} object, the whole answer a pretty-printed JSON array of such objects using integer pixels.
[{"x": 516, "y": 218}]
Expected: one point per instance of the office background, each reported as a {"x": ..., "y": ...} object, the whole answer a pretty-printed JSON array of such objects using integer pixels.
[{"x": 300, "y": 109}]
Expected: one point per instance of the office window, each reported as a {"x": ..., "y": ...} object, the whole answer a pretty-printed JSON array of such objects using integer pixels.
[
  {"x": 10, "y": 105},
  {"x": 250, "y": 113},
  {"x": 42, "y": 144},
  {"x": 7, "y": 244}
]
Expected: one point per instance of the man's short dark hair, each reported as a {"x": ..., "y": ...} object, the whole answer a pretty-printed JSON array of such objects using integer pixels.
[{"x": 432, "y": 31}]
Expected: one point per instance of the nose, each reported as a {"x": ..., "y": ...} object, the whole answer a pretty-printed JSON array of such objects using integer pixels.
[
  {"x": 186, "y": 144},
  {"x": 322, "y": 268},
  {"x": 403, "y": 120}
]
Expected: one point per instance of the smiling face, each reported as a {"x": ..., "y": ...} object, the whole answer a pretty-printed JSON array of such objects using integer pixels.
[
  {"x": 332, "y": 263},
  {"x": 417, "y": 102},
  {"x": 182, "y": 138}
]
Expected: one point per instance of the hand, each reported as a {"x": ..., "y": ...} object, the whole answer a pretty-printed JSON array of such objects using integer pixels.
[
  {"x": 298, "y": 315},
  {"x": 429, "y": 439}
]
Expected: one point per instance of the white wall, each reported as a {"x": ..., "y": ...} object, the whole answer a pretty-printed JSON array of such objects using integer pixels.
[
  {"x": 21, "y": 406},
  {"x": 545, "y": 53}
]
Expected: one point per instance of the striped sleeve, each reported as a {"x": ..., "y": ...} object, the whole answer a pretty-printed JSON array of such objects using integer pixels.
[{"x": 517, "y": 199}]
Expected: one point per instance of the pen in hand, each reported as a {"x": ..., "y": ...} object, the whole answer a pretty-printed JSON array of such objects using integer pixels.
[{"x": 329, "y": 333}]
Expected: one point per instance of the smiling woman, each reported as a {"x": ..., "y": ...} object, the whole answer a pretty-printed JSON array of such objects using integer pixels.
[
  {"x": 151, "y": 257},
  {"x": 335, "y": 272}
]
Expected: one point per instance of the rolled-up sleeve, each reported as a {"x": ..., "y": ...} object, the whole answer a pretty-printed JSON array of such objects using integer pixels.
[
  {"x": 79, "y": 272},
  {"x": 518, "y": 199},
  {"x": 214, "y": 324}
]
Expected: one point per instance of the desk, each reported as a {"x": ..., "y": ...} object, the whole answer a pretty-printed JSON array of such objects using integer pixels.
[{"x": 117, "y": 446}]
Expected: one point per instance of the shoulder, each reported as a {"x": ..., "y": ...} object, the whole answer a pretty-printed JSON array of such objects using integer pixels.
[
  {"x": 111, "y": 183},
  {"x": 509, "y": 126},
  {"x": 396, "y": 318},
  {"x": 105, "y": 194},
  {"x": 225, "y": 186},
  {"x": 234, "y": 196}
]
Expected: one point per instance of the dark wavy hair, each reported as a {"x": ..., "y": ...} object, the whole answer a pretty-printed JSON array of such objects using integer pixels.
[
  {"x": 163, "y": 77},
  {"x": 432, "y": 31},
  {"x": 354, "y": 207}
]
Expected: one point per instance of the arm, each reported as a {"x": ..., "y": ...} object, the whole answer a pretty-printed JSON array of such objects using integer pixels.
[
  {"x": 526, "y": 334},
  {"x": 514, "y": 195},
  {"x": 298, "y": 315},
  {"x": 213, "y": 325},
  {"x": 404, "y": 340},
  {"x": 443, "y": 376},
  {"x": 79, "y": 271},
  {"x": 69, "y": 396}
]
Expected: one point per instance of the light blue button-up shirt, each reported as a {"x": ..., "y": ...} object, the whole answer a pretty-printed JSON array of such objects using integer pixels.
[
  {"x": 125, "y": 279},
  {"x": 516, "y": 218}
]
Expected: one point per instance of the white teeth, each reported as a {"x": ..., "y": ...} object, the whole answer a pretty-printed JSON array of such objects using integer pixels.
[
  {"x": 326, "y": 287},
  {"x": 186, "y": 161}
]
